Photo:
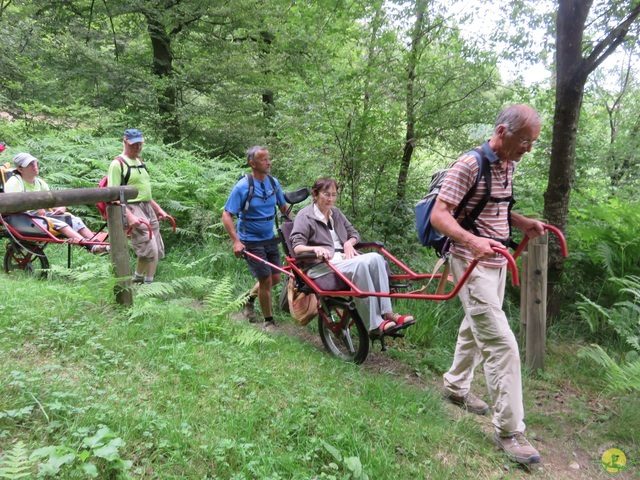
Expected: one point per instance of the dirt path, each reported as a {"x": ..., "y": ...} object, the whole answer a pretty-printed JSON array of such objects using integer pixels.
[{"x": 562, "y": 459}]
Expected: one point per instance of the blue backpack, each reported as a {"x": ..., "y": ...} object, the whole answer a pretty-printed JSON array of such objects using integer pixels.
[{"x": 427, "y": 234}]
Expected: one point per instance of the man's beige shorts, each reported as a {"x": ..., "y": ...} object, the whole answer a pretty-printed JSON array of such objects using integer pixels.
[{"x": 145, "y": 248}]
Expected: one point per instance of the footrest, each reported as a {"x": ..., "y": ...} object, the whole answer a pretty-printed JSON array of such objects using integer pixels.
[
  {"x": 395, "y": 335},
  {"x": 383, "y": 346},
  {"x": 100, "y": 236}
]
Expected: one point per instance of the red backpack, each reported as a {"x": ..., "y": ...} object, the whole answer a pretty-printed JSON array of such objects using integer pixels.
[{"x": 124, "y": 179}]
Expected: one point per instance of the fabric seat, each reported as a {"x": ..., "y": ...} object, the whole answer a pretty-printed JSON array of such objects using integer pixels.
[
  {"x": 327, "y": 282},
  {"x": 31, "y": 225}
]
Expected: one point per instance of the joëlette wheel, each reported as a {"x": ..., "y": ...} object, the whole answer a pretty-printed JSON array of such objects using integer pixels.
[
  {"x": 30, "y": 260},
  {"x": 342, "y": 331}
]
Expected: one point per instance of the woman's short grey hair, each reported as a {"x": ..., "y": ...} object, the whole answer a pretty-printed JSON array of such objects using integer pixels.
[
  {"x": 516, "y": 117},
  {"x": 322, "y": 184},
  {"x": 251, "y": 153}
]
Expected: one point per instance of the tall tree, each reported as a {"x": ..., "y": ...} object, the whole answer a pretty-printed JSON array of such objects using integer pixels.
[
  {"x": 575, "y": 61},
  {"x": 414, "y": 54},
  {"x": 614, "y": 90}
]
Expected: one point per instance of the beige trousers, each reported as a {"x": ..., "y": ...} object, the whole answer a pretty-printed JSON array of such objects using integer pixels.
[
  {"x": 368, "y": 272},
  {"x": 485, "y": 336}
]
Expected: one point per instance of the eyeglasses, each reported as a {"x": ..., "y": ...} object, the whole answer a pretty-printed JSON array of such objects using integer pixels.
[
  {"x": 329, "y": 195},
  {"x": 528, "y": 143}
]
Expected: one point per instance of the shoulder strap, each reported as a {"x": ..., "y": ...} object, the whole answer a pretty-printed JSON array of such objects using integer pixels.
[
  {"x": 483, "y": 170},
  {"x": 273, "y": 183},
  {"x": 249, "y": 178},
  {"x": 16, "y": 173},
  {"x": 124, "y": 178},
  {"x": 38, "y": 181}
]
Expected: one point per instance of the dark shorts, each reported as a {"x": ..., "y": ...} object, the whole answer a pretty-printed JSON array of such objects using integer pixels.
[{"x": 268, "y": 251}]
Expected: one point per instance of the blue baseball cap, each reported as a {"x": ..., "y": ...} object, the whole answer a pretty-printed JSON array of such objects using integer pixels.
[{"x": 133, "y": 135}]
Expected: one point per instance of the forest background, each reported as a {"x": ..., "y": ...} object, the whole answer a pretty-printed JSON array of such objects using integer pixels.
[{"x": 376, "y": 94}]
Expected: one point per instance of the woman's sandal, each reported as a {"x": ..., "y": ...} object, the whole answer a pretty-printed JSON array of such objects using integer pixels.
[
  {"x": 403, "y": 321},
  {"x": 381, "y": 332}
]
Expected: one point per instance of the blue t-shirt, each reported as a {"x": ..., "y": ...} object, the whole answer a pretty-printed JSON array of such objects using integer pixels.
[{"x": 263, "y": 205}]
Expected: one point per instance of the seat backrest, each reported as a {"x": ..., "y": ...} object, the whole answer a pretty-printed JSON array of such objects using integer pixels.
[
  {"x": 285, "y": 233},
  {"x": 31, "y": 225}
]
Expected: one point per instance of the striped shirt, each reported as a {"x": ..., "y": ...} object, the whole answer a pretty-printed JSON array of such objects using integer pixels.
[{"x": 493, "y": 220}]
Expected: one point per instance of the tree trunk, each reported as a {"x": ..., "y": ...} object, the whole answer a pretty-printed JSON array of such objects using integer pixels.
[
  {"x": 412, "y": 62},
  {"x": 572, "y": 71},
  {"x": 570, "y": 81},
  {"x": 163, "y": 69},
  {"x": 268, "y": 97}
]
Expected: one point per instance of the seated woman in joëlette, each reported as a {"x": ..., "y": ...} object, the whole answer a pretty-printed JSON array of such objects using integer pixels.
[{"x": 321, "y": 228}]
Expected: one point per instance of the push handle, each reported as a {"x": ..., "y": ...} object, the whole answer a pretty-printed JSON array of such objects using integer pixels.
[
  {"x": 511, "y": 265},
  {"x": 172, "y": 220},
  {"x": 147, "y": 225},
  {"x": 556, "y": 231},
  {"x": 246, "y": 254}
]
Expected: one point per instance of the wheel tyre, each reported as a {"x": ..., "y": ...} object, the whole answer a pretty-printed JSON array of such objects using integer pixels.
[
  {"x": 354, "y": 347},
  {"x": 32, "y": 261}
]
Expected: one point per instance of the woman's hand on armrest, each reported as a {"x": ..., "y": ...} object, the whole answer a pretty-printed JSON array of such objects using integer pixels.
[
  {"x": 349, "y": 248},
  {"x": 320, "y": 252}
]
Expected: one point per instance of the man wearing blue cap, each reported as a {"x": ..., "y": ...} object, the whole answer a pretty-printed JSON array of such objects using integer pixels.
[{"x": 128, "y": 169}]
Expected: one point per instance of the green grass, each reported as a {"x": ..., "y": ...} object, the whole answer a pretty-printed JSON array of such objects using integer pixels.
[
  {"x": 175, "y": 388},
  {"x": 185, "y": 406}
]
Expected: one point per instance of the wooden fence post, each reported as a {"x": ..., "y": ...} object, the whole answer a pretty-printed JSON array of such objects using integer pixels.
[
  {"x": 533, "y": 306},
  {"x": 119, "y": 255}
]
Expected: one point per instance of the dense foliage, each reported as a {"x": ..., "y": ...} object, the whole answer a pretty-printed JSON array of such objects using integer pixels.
[{"x": 333, "y": 88}]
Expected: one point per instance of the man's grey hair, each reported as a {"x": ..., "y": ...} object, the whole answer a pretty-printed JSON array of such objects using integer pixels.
[
  {"x": 251, "y": 153},
  {"x": 515, "y": 117}
]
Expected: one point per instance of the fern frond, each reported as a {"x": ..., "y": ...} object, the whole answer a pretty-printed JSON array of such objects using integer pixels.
[
  {"x": 618, "y": 378},
  {"x": 625, "y": 320},
  {"x": 252, "y": 336},
  {"x": 198, "y": 262},
  {"x": 592, "y": 313},
  {"x": 191, "y": 284},
  {"x": 156, "y": 290},
  {"x": 15, "y": 463},
  {"x": 143, "y": 309},
  {"x": 604, "y": 253},
  {"x": 218, "y": 301},
  {"x": 175, "y": 206},
  {"x": 89, "y": 272}
]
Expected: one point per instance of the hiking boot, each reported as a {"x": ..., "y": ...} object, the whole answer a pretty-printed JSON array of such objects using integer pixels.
[
  {"x": 469, "y": 402},
  {"x": 137, "y": 279},
  {"x": 269, "y": 326},
  {"x": 518, "y": 448},
  {"x": 249, "y": 312}
]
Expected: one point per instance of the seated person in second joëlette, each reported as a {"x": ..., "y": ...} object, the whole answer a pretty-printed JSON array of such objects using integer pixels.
[
  {"x": 26, "y": 180},
  {"x": 323, "y": 229}
]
